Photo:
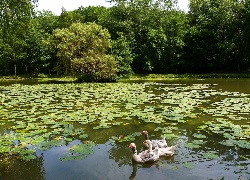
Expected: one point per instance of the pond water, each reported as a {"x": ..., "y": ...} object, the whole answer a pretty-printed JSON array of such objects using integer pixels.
[{"x": 70, "y": 131}]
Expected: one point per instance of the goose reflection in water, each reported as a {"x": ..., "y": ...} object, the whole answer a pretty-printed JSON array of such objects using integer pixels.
[{"x": 157, "y": 165}]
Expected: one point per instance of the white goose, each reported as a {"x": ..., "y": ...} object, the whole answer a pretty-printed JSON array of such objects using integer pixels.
[
  {"x": 155, "y": 143},
  {"x": 144, "y": 156},
  {"x": 168, "y": 151}
]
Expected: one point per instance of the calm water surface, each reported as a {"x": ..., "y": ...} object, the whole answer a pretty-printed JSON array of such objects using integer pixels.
[{"x": 112, "y": 159}]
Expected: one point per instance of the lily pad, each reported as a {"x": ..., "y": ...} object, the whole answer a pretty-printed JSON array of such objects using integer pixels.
[
  {"x": 188, "y": 165},
  {"x": 210, "y": 155},
  {"x": 192, "y": 146}
]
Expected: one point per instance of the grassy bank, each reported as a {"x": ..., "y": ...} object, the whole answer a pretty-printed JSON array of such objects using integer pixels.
[
  {"x": 188, "y": 76},
  {"x": 38, "y": 79},
  {"x": 69, "y": 79}
]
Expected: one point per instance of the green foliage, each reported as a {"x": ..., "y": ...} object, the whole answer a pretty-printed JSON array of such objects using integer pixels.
[
  {"x": 15, "y": 19},
  {"x": 82, "y": 49},
  {"x": 150, "y": 36},
  {"x": 214, "y": 41},
  {"x": 95, "y": 14},
  {"x": 66, "y": 19},
  {"x": 123, "y": 56}
]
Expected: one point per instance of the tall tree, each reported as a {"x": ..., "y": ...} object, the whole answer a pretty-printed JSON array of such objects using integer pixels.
[
  {"x": 142, "y": 18},
  {"x": 92, "y": 14},
  {"x": 212, "y": 43},
  {"x": 66, "y": 18},
  {"x": 15, "y": 16}
]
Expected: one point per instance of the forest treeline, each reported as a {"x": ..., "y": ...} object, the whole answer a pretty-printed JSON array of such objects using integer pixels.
[{"x": 133, "y": 36}]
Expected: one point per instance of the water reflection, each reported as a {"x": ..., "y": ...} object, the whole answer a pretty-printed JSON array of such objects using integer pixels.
[
  {"x": 114, "y": 161},
  {"x": 120, "y": 153},
  {"x": 136, "y": 165},
  {"x": 19, "y": 169}
]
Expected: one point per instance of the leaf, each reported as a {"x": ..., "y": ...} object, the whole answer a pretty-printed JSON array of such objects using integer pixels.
[
  {"x": 187, "y": 165},
  {"x": 192, "y": 146},
  {"x": 199, "y": 135},
  {"x": 83, "y": 136},
  {"x": 210, "y": 155}
]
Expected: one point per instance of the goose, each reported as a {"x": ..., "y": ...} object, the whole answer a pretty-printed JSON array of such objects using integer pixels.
[
  {"x": 144, "y": 156},
  {"x": 155, "y": 143},
  {"x": 168, "y": 151}
]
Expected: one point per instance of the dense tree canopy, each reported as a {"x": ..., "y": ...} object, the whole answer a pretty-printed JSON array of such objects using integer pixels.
[
  {"x": 82, "y": 49},
  {"x": 15, "y": 18},
  {"x": 142, "y": 36}
]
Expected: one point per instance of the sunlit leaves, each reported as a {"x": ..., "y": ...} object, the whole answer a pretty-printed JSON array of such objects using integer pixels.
[{"x": 82, "y": 50}]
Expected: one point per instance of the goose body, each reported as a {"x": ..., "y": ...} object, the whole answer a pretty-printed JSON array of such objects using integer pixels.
[
  {"x": 144, "y": 156},
  {"x": 167, "y": 151},
  {"x": 155, "y": 143}
]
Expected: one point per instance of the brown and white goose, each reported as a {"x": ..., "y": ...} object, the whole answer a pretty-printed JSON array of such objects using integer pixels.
[
  {"x": 168, "y": 151},
  {"x": 144, "y": 156},
  {"x": 155, "y": 143}
]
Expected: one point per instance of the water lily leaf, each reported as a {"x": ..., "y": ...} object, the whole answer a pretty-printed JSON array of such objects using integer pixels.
[
  {"x": 173, "y": 167},
  {"x": 187, "y": 165},
  {"x": 243, "y": 144},
  {"x": 29, "y": 157},
  {"x": 200, "y": 141},
  {"x": 49, "y": 144},
  {"x": 169, "y": 136},
  {"x": 229, "y": 142},
  {"x": 199, "y": 135},
  {"x": 210, "y": 155},
  {"x": 192, "y": 145},
  {"x": 4, "y": 148},
  {"x": 83, "y": 136}
]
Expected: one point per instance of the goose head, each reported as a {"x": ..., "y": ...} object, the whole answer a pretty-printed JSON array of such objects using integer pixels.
[
  {"x": 144, "y": 132},
  {"x": 132, "y": 146}
]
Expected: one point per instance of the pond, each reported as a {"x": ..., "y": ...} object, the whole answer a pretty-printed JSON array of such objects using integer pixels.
[{"x": 71, "y": 131}]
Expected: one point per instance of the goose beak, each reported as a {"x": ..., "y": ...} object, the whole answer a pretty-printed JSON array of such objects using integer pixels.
[{"x": 130, "y": 146}]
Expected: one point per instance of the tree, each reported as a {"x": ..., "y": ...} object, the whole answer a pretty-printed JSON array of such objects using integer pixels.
[
  {"x": 246, "y": 34},
  {"x": 213, "y": 43},
  {"x": 37, "y": 53},
  {"x": 82, "y": 49},
  {"x": 66, "y": 18},
  {"x": 15, "y": 16},
  {"x": 92, "y": 14},
  {"x": 123, "y": 56},
  {"x": 155, "y": 31}
]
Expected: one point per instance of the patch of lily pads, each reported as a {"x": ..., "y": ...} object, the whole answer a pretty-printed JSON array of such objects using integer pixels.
[
  {"x": 234, "y": 134},
  {"x": 43, "y": 116},
  {"x": 79, "y": 151}
]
